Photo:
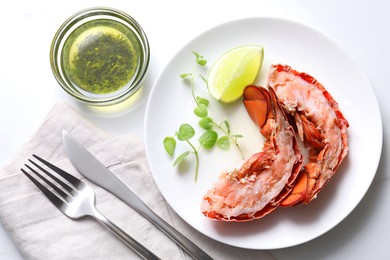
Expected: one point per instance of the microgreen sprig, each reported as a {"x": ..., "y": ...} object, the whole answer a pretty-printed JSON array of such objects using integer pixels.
[
  {"x": 209, "y": 138},
  {"x": 185, "y": 133},
  {"x": 199, "y": 59}
]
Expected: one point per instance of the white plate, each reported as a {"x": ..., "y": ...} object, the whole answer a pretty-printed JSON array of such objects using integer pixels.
[{"x": 305, "y": 49}]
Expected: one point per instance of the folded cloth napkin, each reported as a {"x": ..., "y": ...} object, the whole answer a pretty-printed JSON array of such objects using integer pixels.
[{"x": 41, "y": 231}]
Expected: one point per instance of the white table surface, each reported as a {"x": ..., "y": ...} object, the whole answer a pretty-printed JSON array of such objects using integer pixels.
[{"x": 29, "y": 90}]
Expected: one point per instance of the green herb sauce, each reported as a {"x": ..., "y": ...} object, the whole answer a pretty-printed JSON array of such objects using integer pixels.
[{"x": 101, "y": 56}]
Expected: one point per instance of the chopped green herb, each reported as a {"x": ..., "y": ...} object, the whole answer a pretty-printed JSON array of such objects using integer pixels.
[{"x": 101, "y": 56}]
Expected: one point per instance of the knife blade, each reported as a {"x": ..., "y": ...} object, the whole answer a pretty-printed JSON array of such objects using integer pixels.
[{"x": 94, "y": 170}]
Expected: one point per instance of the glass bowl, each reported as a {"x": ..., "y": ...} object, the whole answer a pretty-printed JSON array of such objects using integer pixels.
[{"x": 100, "y": 56}]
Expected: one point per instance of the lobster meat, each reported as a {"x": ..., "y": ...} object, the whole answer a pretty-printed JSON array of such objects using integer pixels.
[
  {"x": 275, "y": 176},
  {"x": 259, "y": 184},
  {"x": 320, "y": 125}
]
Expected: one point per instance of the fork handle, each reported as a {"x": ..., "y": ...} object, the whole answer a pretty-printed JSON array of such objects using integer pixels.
[{"x": 126, "y": 238}]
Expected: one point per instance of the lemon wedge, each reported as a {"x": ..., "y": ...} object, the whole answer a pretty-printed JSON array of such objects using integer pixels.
[{"x": 233, "y": 71}]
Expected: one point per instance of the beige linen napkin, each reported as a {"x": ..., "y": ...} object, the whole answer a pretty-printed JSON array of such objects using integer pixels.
[{"x": 41, "y": 231}]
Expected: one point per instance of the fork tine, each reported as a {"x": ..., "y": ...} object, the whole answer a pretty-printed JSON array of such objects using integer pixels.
[
  {"x": 58, "y": 190},
  {"x": 61, "y": 172},
  {"x": 51, "y": 196}
]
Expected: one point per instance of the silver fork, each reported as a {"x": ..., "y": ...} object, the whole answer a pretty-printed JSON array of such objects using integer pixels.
[{"x": 76, "y": 199}]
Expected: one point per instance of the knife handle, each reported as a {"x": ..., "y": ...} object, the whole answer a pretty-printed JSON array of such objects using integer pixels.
[
  {"x": 176, "y": 236},
  {"x": 125, "y": 194},
  {"x": 186, "y": 244},
  {"x": 128, "y": 240}
]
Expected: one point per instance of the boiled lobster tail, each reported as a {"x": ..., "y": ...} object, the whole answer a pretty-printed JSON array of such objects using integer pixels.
[
  {"x": 320, "y": 124},
  {"x": 274, "y": 176},
  {"x": 257, "y": 186}
]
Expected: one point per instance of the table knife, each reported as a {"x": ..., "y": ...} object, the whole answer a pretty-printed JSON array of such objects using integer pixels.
[{"x": 94, "y": 170}]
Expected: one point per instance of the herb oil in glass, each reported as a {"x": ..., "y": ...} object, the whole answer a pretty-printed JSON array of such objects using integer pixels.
[{"x": 101, "y": 56}]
